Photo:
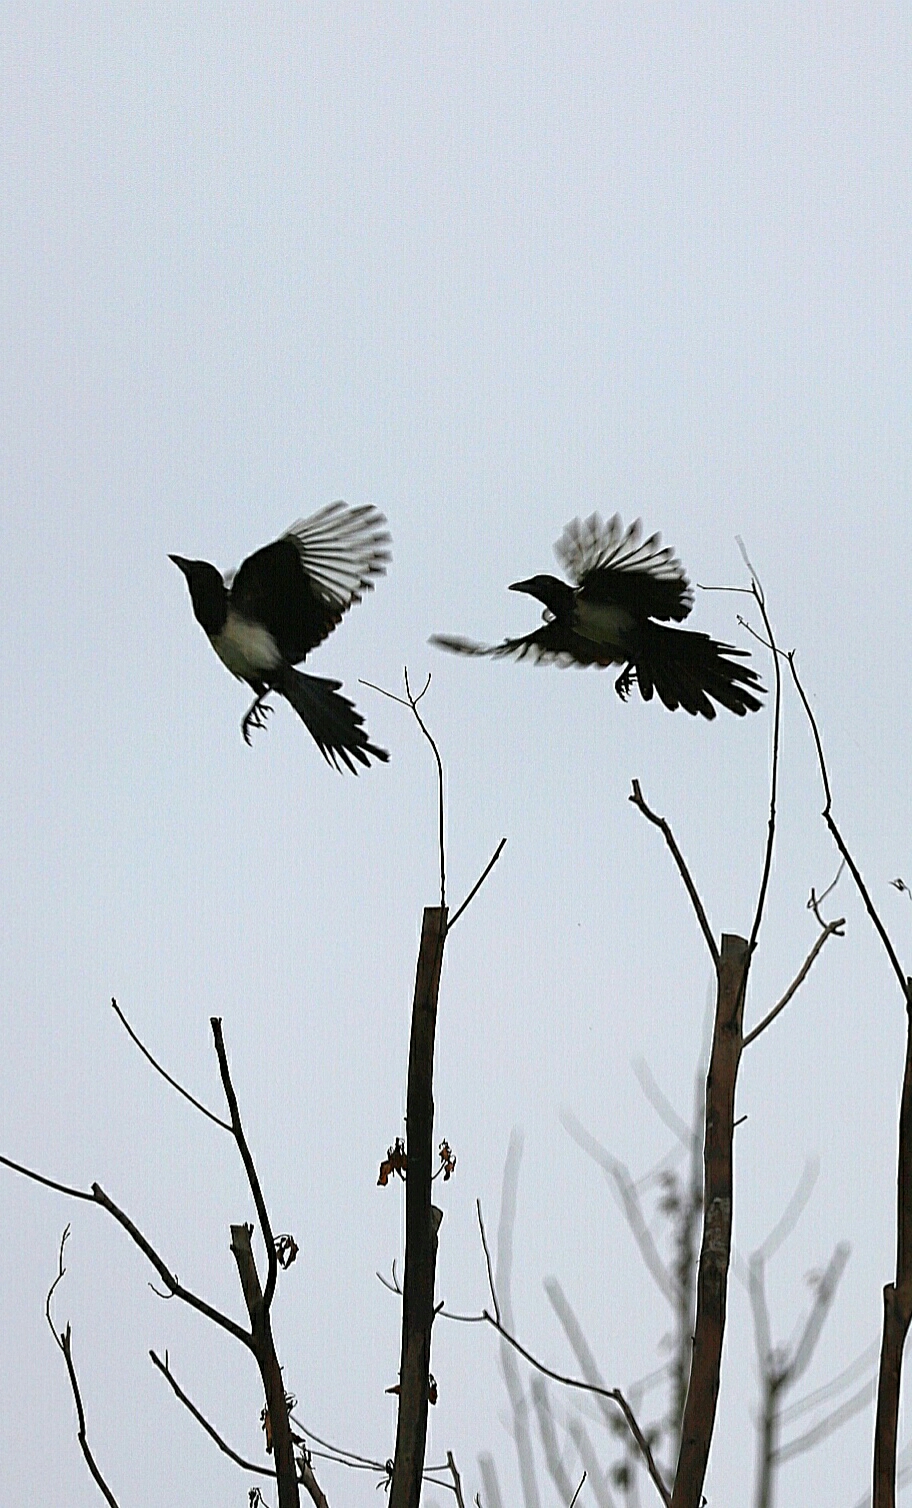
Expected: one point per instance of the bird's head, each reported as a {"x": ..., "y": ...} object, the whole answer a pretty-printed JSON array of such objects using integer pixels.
[
  {"x": 207, "y": 592},
  {"x": 555, "y": 594}
]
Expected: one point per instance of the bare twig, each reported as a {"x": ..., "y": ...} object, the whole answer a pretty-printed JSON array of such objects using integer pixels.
[
  {"x": 457, "y": 1480},
  {"x": 614, "y": 1394},
  {"x": 579, "y": 1489},
  {"x": 49, "y": 1183},
  {"x": 65, "y": 1343},
  {"x": 203, "y": 1422},
  {"x": 272, "y": 1270},
  {"x": 760, "y": 599},
  {"x": 411, "y": 702},
  {"x": 637, "y": 798},
  {"x": 175, "y": 1288},
  {"x": 840, "y": 841},
  {"x": 487, "y": 1256},
  {"x": 165, "y": 1075},
  {"x": 831, "y": 929},
  {"x": 478, "y": 884}
]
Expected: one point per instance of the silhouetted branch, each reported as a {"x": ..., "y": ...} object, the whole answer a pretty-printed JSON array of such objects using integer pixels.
[
  {"x": 420, "y": 1228},
  {"x": 165, "y": 1075},
  {"x": 203, "y": 1422},
  {"x": 487, "y": 1257},
  {"x": 49, "y": 1183},
  {"x": 614, "y": 1394},
  {"x": 637, "y": 798},
  {"x": 65, "y": 1343},
  {"x": 831, "y": 929},
  {"x": 263, "y": 1347},
  {"x": 839, "y": 840},
  {"x": 760, "y": 599},
  {"x": 272, "y": 1271},
  {"x": 176, "y": 1289},
  {"x": 411, "y": 702},
  {"x": 715, "y": 1250},
  {"x": 478, "y": 884}
]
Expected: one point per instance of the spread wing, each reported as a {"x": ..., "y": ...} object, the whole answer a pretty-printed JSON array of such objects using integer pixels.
[
  {"x": 548, "y": 645},
  {"x": 609, "y": 564},
  {"x": 300, "y": 585}
]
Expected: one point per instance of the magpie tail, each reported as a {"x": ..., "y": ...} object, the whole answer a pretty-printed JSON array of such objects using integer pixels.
[
  {"x": 334, "y": 723},
  {"x": 692, "y": 671}
]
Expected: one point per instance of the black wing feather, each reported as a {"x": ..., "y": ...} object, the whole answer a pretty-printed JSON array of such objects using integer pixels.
[
  {"x": 609, "y": 564},
  {"x": 300, "y": 586}
]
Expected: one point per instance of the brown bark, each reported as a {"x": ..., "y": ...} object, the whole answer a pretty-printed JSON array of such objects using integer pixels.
[
  {"x": 897, "y": 1298},
  {"x": 420, "y": 1229},
  {"x": 715, "y": 1251},
  {"x": 270, "y": 1371}
]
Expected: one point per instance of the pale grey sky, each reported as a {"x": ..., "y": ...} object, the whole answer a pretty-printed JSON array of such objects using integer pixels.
[{"x": 486, "y": 267}]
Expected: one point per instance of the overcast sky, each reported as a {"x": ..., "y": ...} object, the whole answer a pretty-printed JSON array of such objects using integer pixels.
[{"x": 487, "y": 267}]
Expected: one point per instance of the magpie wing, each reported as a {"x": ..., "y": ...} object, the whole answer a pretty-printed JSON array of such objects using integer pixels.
[
  {"x": 608, "y": 563},
  {"x": 548, "y": 645},
  {"x": 300, "y": 586}
]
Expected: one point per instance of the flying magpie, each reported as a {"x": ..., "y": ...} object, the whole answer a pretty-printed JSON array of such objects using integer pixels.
[
  {"x": 622, "y": 595},
  {"x": 282, "y": 602}
]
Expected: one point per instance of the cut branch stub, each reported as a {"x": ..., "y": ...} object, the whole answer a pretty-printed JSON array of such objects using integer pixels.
[{"x": 420, "y": 1229}]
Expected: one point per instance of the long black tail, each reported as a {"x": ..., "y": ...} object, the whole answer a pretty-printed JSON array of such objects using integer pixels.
[
  {"x": 333, "y": 721},
  {"x": 687, "y": 669}
]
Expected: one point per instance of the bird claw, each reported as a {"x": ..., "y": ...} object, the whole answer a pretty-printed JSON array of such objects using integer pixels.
[
  {"x": 624, "y": 683},
  {"x": 255, "y": 719}
]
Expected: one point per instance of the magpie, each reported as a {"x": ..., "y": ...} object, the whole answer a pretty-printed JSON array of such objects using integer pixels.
[
  {"x": 282, "y": 602},
  {"x": 615, "y": 613}
]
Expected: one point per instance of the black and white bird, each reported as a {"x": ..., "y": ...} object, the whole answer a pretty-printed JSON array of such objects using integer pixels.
[
  {"x": 615, "y": 612},
  {"x": 282, "y": 602}
]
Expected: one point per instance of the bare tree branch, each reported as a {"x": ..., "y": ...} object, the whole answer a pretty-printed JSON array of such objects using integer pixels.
[
  {"x": 49, "y": 1183},
  {"x": 264, "y": 1350},
  {"x": 272, "y": 1270},
  {"x": 760, "y": 599},
  {"x": 478, "y": 884},
  {"x": 65, "y": 1343},
  {"x": 637, "y": 798},
  {"x": 420, "y": 1227},
  {"x": 715, "y": 1250},
  {"x": 830, "y": 930},
  {"x": 203, "y": 1422},
  {"x": 168, "y": 1278},
  {"x": 614, "y": 1394},
  {"x": 165, "y": 1075}
]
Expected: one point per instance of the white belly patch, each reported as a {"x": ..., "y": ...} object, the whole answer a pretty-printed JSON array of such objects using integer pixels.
[
  {"x": 602, "y": 622},
  {"x": 248, "y": 649}
]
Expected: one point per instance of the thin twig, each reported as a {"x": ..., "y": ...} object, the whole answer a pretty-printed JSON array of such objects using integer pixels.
[
  {"x": 165, "y": 1075},
  {"x": 411, "y": 702},
  {"x": 487, "y": 1257},
  {"x": 457, "y": 1480},
  {"x": 838, "y": 838},
  {"x": 579, "y": 1489},
  {"x": 65, "y": 1343},
  {"x": 637, "y": 798},
  {"x": 247, "y": 1159},
  {"x": 49, "y": 1183},
  {"x": 831, "y": 929},
  {"x": 211, "y": 1431},
  {"x": 760, "y": 599},
  {"x": 478, "y": 884},
  {"x": 614, "y": 1394},
  {"x": 168, "y": 1278}
]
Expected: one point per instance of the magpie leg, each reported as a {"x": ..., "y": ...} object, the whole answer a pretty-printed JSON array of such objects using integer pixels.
[
  {"x": 624, "y": 683},
  {"x": 256, "y": 715}
]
